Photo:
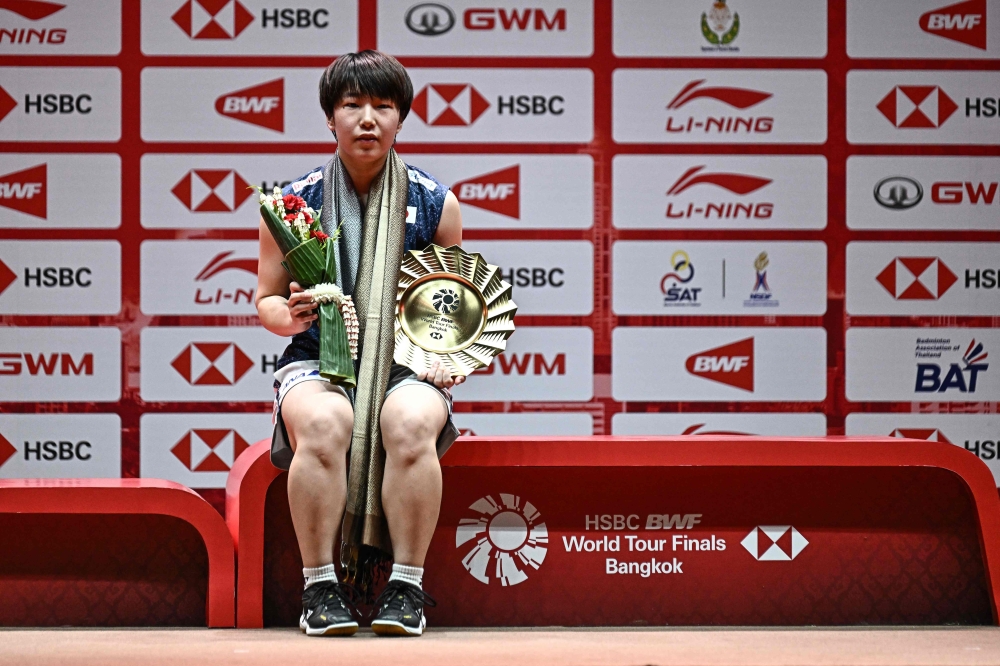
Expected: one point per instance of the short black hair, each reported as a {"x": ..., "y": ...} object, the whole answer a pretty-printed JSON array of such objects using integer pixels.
[{"x": 367, "y": 74}]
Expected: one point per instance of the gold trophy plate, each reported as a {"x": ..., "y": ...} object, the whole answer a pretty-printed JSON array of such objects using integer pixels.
[{"x": 452, "y": 307}]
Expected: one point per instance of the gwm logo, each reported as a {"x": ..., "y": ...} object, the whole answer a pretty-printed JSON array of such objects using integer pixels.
[
  {"x": 774, "y": 543},
  {"x": 212, "y": 363},
  {"x": 212, "y": 190},
  {"x": 963, "y": 22},
  {"x": 207, "y": 450},
  {"x": 916, "y": 278},
  {"x": 449, "y": 104},
  {"x": 917, "y": 107},
  {"x": 498, "y": 192},
  {"x": 262, "y": 105},
  {"x": 212, "y": 19},
  {"x": 25, "y": 191},
  {"x": 730, "y": 364},
  {"x": 507, "y": 539}
]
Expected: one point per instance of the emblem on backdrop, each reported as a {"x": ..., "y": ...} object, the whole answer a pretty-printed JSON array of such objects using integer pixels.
[
  {"x": 720, "y": 26},
  {"x": 916, "y": 278},
  {"x": 774, "y": 543},
  {"x": 449, "y": 104},
  {"x": 898, "y": 192},
  {"x": 761, "y": 294},
  {"x": 963, "y": 22},
  {"x": 917, "y": 107},
  {"x": 430, "y": 19},
  {"x": 211, "y": 19}
]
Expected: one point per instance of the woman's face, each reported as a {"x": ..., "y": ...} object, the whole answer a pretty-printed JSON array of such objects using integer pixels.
[{"x": 365, "y": 126}]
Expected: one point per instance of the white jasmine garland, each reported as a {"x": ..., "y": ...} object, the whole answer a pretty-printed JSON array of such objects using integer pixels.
[{"x": 327, "y": 292}]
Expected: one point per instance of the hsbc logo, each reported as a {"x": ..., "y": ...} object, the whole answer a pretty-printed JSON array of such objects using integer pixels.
[
  {"x": 917, "y": 107},
  {"x": 730, "y": 364},
  {"x": 25, "y": 191},
  {"x": 212, "y": 19},
  {"x": 261, "y": 105},
  {"x": 916, "y": 278},
  {"x": 209, "y": 450},
  {"x": 449, "y": 104},
  {"x": 497, "y": 191},
  {"x": 737, "y": 98},
  {"x": 212, "y": 190},
  {"x": 212, "y": 364},
  {"x": 7, "y": 450},
  {"x": 927, "y": 434},
  {"x": 774, "y": 543},
  {"x": 963, "y": 22},
  {"x": 735, "y": 183}
]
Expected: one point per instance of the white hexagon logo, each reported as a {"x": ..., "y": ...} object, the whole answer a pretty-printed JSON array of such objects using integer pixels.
[
  {"x": 508, "y": 539},
  {"x": 779, "y": 543}
]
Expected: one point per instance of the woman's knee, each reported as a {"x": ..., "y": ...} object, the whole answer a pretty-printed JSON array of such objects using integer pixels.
[
  {"x": 409, "y": 434},
  {"x": 323, "y": 433}
]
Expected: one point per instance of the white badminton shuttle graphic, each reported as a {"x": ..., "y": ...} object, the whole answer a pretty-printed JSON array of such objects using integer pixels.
[{"x": 507, "y": 539}]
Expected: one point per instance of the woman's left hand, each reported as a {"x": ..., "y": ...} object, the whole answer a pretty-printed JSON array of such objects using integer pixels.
[{"x": 440, "y": 377}]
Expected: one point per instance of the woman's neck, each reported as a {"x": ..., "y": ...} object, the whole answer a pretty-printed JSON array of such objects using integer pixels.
[{"x": 362, "y": 173}]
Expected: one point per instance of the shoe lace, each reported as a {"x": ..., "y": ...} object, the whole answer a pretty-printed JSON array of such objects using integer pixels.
[
  {"x": 390, "y": 597},
  {"x": 324, "y": 592}
]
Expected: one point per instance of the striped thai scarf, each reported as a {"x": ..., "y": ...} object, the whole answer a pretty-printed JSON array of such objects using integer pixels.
[{"x": 370, "y": 251}]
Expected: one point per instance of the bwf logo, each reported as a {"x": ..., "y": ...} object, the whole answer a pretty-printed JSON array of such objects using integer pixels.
[
  {"x": 730, "y": 364},
  {"x": 507, "y": 537},
  {"x": 261, "y": 105}
]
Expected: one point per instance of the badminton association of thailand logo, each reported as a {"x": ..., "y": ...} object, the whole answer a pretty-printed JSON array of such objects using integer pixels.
[{"x": 505, "y": 537}]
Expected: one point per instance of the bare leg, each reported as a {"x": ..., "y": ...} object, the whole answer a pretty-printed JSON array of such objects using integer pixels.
[
  {"x": 412, "y": 418},
  {"x": 319, "y": 420}
]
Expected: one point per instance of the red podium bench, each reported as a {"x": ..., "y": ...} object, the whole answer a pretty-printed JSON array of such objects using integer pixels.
[
  {"x": 696, "y": 530},
  {"x": 112, "y": 551}
]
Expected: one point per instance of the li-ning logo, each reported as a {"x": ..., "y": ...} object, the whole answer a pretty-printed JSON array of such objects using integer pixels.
[
  {"x": 898, "y": 192},
  {"x": 25, "y": 191},
  {"x": 33, "y": 10},
  {"x": 730, "y": 364},
  {"x": 445, "y": 301},
  {"x": 261, "y": 105},
  {"x": 774, "y": 543},
  {"x": 916, "y": 278},
  {"x": 212, "y": 190},
  {"x": 209, "y": 450},
  {"x": 221, "y": 262},
  {"x": 430, "y": 19},
  {"x": 507, "y": 539},
  {"x": 739, "y": 98},
  {"x": 449, "y": 104},
  {"x": 917, "y": 107},
  {"x": 212, "y": 19},
  {"x": 963, "y": 22},
  {"x": 212, "y": 364},
  {"x": 497, "y": 192},
  {"x": 736, "y": 183}
]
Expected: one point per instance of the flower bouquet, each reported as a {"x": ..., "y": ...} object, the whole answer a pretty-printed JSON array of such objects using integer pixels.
[{"x": 310, "y": 259}]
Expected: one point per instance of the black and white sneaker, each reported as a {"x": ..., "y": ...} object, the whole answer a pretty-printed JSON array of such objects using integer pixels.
[
  {"x": 401, "y": 610},
  {"x": 327, "y": 610}
]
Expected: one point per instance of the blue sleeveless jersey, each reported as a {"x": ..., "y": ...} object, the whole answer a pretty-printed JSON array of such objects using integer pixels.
[{"x": 424, "y": 201}]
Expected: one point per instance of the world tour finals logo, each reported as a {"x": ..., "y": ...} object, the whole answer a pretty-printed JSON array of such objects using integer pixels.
[{"x": 506, "y": 537}]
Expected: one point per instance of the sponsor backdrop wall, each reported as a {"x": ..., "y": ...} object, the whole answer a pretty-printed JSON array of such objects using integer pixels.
[{"x": 775, "y": 217}]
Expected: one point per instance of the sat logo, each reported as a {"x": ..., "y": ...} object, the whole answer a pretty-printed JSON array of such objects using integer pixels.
[{"x": 929, "y": 374}]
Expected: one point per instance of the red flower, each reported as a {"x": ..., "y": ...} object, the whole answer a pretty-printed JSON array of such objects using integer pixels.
[
  {"x": 290, "y": 217},
  {"x": 293, "y": 204},
  {"x": 318, "y": 235}
]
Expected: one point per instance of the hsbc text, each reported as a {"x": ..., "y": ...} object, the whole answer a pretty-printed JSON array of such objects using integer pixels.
[
  {"x": 654, "y": 521},
  {"x": 722, "y": 125},
  {"x": 534, "y": 277},
  {"x": 57, "y": 277},
  {"x": 988, "y": 278},
  {"x": 535, "y": 105},
  {"x": 62, "y": 104},
  {"x": 294, "y": 18},
  {"x": 15, "y": 364},
  {"x": 486, "y": 19},
  {"x": 987, "y": 107},
  {"x": 62, "y": 450},
  {"x": 986, "y": 449}
]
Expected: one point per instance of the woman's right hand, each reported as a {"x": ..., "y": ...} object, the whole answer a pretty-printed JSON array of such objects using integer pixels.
[{"x": 301, "y": 307}]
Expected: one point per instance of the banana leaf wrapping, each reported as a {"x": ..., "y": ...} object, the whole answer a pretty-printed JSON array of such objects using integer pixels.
[{"x": 310, "y": 264}]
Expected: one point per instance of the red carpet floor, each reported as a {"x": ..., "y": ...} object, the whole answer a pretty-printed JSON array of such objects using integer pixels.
[{"x": 273, "y": 647}]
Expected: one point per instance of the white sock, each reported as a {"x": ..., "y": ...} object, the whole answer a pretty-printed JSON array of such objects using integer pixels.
[
  {"x": 412, "y": 575},
  {"x": 319, "y": 574}
]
